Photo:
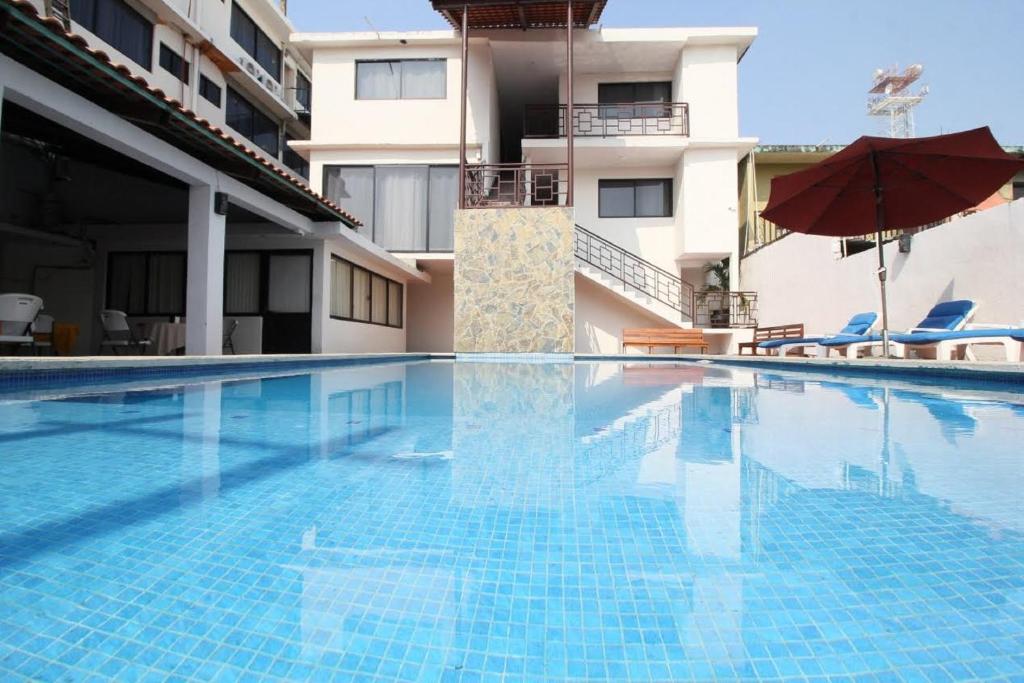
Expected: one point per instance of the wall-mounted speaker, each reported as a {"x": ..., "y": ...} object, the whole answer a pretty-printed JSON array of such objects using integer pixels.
[{"x": 220, "y": 204}]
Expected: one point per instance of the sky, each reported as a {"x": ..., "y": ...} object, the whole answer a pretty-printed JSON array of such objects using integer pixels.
[{"x": 805, "y": 79}]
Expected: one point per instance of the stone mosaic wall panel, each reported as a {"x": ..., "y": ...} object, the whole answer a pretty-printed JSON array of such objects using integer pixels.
[{"x": 514, "y": 287}]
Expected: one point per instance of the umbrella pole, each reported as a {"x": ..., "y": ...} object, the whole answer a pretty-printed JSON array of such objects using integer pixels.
[
  {"x": 881, "y": 285},
  {"x": 879, "y": 227}
]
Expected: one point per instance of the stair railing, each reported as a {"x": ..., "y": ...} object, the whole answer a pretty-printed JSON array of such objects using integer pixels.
[{"x": 634, "y": 272}]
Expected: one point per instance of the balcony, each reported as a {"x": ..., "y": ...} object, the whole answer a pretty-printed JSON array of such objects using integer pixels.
[
  {"x": 515, "y": 185},
  {"x": 722, "y": 309},
  {"x": 607, "y": 120}
]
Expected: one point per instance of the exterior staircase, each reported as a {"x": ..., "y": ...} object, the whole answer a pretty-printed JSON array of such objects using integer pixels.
[{"x": 634, "y": 279}]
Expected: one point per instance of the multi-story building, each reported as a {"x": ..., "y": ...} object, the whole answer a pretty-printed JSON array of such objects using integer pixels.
[
  {"x": 145, "y": 167},
  {"x": 562, "y": 236},
  {"x": 506, "y": 185}
]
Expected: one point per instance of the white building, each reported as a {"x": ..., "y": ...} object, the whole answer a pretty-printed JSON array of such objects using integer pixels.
[
  {"x": 654, "y": 184},
  {"x": 156, "y": 154},
  {"x": 144, "y": 168}
]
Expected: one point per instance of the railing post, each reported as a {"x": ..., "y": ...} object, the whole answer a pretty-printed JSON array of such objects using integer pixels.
[{"x": 462, "y": 119}]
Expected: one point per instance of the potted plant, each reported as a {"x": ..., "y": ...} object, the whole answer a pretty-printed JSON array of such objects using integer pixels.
[{"x": 716, "y": 293}]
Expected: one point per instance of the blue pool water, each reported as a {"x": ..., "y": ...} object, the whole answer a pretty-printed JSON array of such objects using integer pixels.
[{"x": 485, "y": 521}]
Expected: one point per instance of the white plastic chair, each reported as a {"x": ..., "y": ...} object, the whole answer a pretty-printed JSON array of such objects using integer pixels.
[
  {"x": 118, "y": 334},
  {"x": 17, "y": 311}
]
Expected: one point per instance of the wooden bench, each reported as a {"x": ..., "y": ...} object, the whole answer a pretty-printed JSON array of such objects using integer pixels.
[
  {"x": 763, "y": 334},
  {"x": 664, "y": 336}
]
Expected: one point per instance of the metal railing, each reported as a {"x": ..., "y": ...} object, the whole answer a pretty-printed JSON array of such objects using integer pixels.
[
  {"x": 634, "y": 272},
  {"x": 607, "y": 120},
  {"x": 505, "y": 185},
  {"x": 764, "y": 232},
  {"x": 715, "y": 308}
]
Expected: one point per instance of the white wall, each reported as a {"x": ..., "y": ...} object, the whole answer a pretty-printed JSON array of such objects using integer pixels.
[
  {"x": 706, "y": 79},
  {"x": 978, "y": 257},
  {"x": 431, "y": 313},
  {"x": 601, "y": 316},
  {"x": 708, "y": 202},
  {"x": 653, "y": 239},
  {"x": 339, "y": 119},
  {"x": 345, "y": 336}
]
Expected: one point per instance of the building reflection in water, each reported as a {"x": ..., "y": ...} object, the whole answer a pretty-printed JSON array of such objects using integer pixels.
[{"x": 610, "y": 486}]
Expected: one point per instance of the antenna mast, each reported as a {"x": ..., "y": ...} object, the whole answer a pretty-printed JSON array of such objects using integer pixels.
[{"x": 890, "y": 96}]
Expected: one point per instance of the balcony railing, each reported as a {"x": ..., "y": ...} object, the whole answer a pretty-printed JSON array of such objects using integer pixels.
[
  {"x": 607, "y": 120},
  {"x": 715, "y": 308},
  {"x": 635, "y": 272},
  {"x": 506, "y": 185},
  {"x": 765, "y": 232}
]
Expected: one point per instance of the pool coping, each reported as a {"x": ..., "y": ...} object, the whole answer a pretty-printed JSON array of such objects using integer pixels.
[{"x": 27, "y": 369}]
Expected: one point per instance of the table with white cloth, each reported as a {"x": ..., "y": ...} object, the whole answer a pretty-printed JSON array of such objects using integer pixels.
[{"x": 167, "y": 338}]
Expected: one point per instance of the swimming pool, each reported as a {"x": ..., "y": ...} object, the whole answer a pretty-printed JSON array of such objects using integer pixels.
[{"x": 472, "y": 521}]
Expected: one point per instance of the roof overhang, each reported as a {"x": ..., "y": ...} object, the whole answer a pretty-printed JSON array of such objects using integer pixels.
[
  {"x": 42, "y": 44},
  {"x": 521, "y": 14}
]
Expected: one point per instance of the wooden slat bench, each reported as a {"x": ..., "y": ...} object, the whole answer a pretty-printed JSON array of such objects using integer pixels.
[
  {"x": 664, "y": 336},
  {"x": 763, "y": 334}
]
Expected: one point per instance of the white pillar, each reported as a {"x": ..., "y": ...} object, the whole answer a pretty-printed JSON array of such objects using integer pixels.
[{"x": 205, "y": 291}]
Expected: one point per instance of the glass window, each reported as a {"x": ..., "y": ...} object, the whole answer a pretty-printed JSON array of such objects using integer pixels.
[
  {"x": 241, "y": 283},
  {"x": 630, "y": 93},
  {"x": 401, "y": 79},
  {"x": 288, "y": 283},
  {"x": 361, "y": 295},
  {"x": 403, "y": 208},
  {"x": 166, "y": 290},
  {"x": 114, "y": 22},
  {"x": 341, "y": 289},
  {"x": 294, "y": 160},
  {"x": 378, "y": 300},
  {"x": 400, "y": 208},
  {"x": 209, "y": 90},
  {"x": 1018, "y": 191},
  {"x": 146, "y": 283},
  {"x": 252, "y": 123},
  {"x": 126, "y": 283},
  {"x": 303, "y": 92},
  {"x": 423, "y": 79},
  {"x": 394, "y": 304},
  {"x": 351, "y": 187},
  {"x": 635, "y": 198},
  {"x": 378, "y": 81},
  {"x": 174, "y": 64},
  {"x": 444, "y": 193},
  {"x": 255, "y": 42},
  {"x": 615, "y": 199}
]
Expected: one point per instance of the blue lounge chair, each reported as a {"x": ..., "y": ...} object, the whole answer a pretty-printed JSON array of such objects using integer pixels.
[
  {"x": 949, "y": 316},
  {"x": 859, "y": 324},
  {"x": 951, "y": 345}
]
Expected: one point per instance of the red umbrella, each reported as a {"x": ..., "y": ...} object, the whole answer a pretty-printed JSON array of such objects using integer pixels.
[{"x": 885, "y": 183}]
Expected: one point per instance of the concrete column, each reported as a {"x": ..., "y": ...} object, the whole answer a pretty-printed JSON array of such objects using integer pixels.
[
  {"x": 205, "y": 291},
  {"x": 320, "y": 306}
]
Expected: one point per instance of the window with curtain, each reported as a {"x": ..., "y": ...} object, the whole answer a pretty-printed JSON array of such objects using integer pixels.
[
  {"x": 242, "y": 283},
  {"x": 400, "y": 208},
  {"x": 126, "y": 283},
  {"x": 401, "y": 79},
  {"x": 254, "y": 41},
  {"x": 635, "y": 198},
  {"x": 403, "y": 208},
  {"x": 166, "y": 291},
  {"x": 341, "y": 289},
  {"x": 363, "y": 296},
  {"x": 444, "y": 193},
  {"x": 244, "y": 117},
  {"x": 118, "y": 24},
  {"x": 624, "y": 94},
  {"x": 351, "y": 187},
  {"x": 146, "y": 283},
  {"x": 289, "y": 283}
]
